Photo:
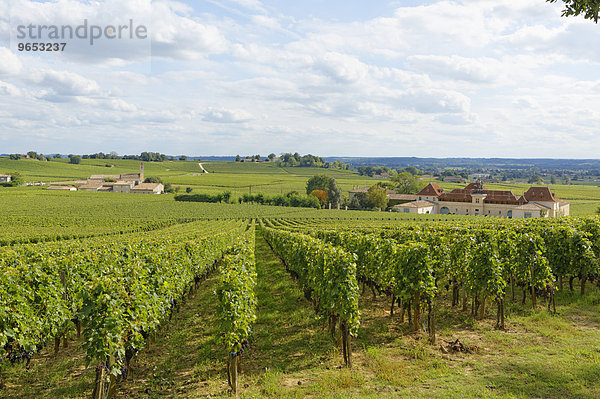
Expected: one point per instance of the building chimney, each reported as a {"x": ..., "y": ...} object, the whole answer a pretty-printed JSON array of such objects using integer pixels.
[{"x": 141, "y": 172}]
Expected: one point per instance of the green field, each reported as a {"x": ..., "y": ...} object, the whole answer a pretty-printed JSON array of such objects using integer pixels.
[
  {"x": 291, "y": 352},
  {"x": 242, "y": 178},
  {"x": 235, "y": 177}
]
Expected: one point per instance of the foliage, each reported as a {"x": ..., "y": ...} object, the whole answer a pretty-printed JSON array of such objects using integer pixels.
[
  {"x": 236, "y": 293},
  {"x": 223, "y": 197},
  {"x": 74, "y": 159},
  {"x": 360, "y": 200},
  {"x": 153, "y": 179},
  {"x": 378, "y": 197},
  {"x": 120, "y": 289},
  {"x": 535, "y": 179},
  {"x": 321, "y": 195},
  {"x": 15, "y": 180},
  {"x": 325, "y": 183},
  {"x": 373, "y": 170},
  {"x": 407, "y": 183},
  {"x": 588, "y": 8},
  {"x": 290, "y": 200},
  {"x": 327, "y": 272}
]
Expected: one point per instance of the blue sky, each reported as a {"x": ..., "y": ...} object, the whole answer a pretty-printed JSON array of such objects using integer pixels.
[{"x": 451, "y": 78}]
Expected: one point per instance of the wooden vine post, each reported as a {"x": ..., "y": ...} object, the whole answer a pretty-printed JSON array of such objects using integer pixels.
[
  {"x": 417, "y": 311},
  {"x": 500, "y": 313},
  {"x": 431, "y": 321},
  {"x": 346, "y": 344},
  {"x": 232, "y": 372},
  {"x": 104, "y": 385}
]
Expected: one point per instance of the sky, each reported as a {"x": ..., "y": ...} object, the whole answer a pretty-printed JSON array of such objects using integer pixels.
[{"x": 472, "y": 78}]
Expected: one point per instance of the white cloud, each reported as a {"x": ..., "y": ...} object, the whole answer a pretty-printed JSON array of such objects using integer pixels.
[
  {"x": 435, "y": 101},
  {"x": 475, "y": 74},
  {"x": 8, "y": 89},
  {"x": 342, "y": 68},
  {"x": 176, "y": 35},
  {"x": 9, "y": 62},
  {"x": 222, "y": 115},
  {"x": 64, "y": 83},
  {"x": 457, "y": 68}
]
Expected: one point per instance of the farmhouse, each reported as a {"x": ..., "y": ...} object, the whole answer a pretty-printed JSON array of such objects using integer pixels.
[
  {"x": 123, "y": 186},
  {"x": 91, "y": 185},
  {"x": 5, "y": 178},
  {"x": 475, "y": 200},
  {"x": 123, "y": 183},
  {"x": 148, "y": 188}
]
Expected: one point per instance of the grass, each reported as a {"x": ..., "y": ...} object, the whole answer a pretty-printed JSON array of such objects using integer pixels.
[
  {"x": 292, "y": 356},
  {"x": 241, "y": 178}
]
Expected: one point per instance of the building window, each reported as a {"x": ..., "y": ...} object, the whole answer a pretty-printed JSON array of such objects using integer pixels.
[
  {"x": 406, "y": 210},
  {"x": 527, "y": 214},
  {"x": 476, "y": 210}
]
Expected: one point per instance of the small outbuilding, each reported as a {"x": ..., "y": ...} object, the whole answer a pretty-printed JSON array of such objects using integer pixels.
[{"x": 148, "y": 188}]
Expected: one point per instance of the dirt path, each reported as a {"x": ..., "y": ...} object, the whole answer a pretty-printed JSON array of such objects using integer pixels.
[{"x": 202, "y": 167}]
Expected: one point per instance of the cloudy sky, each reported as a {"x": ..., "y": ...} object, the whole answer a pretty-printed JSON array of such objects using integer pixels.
[{"x": 474, "y": 78}]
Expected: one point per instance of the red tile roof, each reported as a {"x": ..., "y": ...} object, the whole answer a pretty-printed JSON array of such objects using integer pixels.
[
  {"x": 432, "y": 190},
  {"x": 542, "y": 194},
  {"x": 492, "y": 196}
]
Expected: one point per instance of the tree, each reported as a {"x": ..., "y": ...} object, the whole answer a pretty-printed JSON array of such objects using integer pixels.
[
  {"x": 589, "y": 8},
  {"x": 188, "y": 190},
  {"x": 183, "y": 158},
  {"x": 360, "y": 201},
  {"x": 15, "y": 157},
  {"x": 552, "y": 179},
  {"x": 16, "y": 179},
  {"x": 377, "y": 197},
  {"x": 535, "y": 179},
  {"x": 407, "y": 183},
  {"x": 74, "y": 159},
  {"x": 238, "y": 158},
  {"x": 271, "y": 157},
  {"x": 32, "y": 154},
  {"x": 321, "y": 195},
  {"x": 325, "y": 183},
  {"x": 412, "y": 170},
  {"x": 57, "y": 156},
  {"x": 153, "y": 179}
]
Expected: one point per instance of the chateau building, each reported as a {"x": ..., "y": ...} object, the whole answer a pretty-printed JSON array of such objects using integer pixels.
[{"x": 475, "y": 200}]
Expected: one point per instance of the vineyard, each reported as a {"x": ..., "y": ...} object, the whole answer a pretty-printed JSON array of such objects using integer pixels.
[{"x": 345, "y": 307}]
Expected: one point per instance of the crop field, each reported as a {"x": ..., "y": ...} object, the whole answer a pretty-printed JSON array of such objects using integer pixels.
[
  {"x": 244, "y": 178},
  {"x": 139, "y": 296},
  {"x": 32, "y": 214}
]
